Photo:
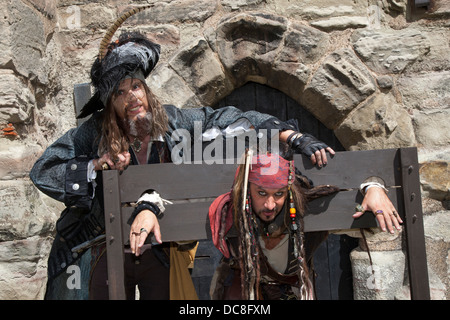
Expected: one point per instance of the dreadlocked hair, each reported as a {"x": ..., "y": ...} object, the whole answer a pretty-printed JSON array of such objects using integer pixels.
[
  {"x": 113, "y": 139},
  {"x": 249, "y": 247},
  {"x": 247, "y": 227},
  {"x": 306, "y": 286}
]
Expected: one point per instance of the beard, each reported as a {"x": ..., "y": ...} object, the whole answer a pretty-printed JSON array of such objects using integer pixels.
[{"x": 140, "y": 127}]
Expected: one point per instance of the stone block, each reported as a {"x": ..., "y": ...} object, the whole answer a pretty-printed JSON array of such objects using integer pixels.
[
  {"x": 16, "y": 100},
  {"x": 16, "y": 159},
  {"x": 201, "y": 71},
  {"x": 425, "y": 91},
  {"x": 337, "y": 87},
  {"x": 303, "y": 44},
  {"x": 435, "y": 179},
  {"x": 390, "y": 51},
  {"x": 341, "y": 23},
  {"x": 81, "y": 17},
  {"x": 176, "y": 11},
  {"x": 378, "y": 240},
  {"x": 27, "y": 41},
  {"x": 247, "y": 44},
  {"x": 379, "y": 123},
  {"x": 5, "y": 39},
  {"x": 437, "y": 239},
  {"x": 23, "y": 213},
  {"x": 23, "y": 268},
  {"x": 170, "y": 88},
  {"x": 302, "y": 47},
  {"x": 432, "y": 127}
]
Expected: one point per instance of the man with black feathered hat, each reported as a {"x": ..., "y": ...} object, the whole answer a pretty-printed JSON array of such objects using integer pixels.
[{"x": 259, "y": 228}]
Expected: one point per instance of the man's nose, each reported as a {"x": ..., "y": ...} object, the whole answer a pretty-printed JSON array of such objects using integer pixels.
[
  {"x": 270, "y": 203},
  {"x": 131, "y": 96}
]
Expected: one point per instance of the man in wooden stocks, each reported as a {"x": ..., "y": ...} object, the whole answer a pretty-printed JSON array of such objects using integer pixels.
[{"x": 258, "y": 226}]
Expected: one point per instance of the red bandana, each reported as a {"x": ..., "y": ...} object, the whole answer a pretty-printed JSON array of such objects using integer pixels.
[{"x": 269, "y": 171}]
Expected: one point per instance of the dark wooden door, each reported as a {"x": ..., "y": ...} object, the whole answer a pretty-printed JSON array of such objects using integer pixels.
[{"x": 331, "y": 260}]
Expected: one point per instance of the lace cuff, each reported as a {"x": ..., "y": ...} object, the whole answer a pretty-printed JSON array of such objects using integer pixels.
[{"x": 372, "y": 182}]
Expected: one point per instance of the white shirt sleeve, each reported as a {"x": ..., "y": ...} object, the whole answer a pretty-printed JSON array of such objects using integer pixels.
[{"x": 91, "y": 175}]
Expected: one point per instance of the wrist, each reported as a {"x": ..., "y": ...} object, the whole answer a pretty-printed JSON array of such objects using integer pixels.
[
  {"x": 372, "y": 182},
  {"x": 145, "y": 205},
  {"x": 283, "y": 135},
  {"x": 147, "y": 213},
  {"x": 95, "y": 164},
  {"x": 293, "y": 137},
  {"x": 98, "y": 166},
  {"x": 148, "y": 207}
]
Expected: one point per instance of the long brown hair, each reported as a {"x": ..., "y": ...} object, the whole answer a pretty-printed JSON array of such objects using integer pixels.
[{"x": 114, "y": 139}]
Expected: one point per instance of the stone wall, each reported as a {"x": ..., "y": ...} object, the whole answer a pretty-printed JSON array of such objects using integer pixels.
[{"x": 376, "y": 72}]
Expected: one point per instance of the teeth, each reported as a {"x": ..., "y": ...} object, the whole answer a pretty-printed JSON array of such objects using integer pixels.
[{"x": 134, "y": 108}]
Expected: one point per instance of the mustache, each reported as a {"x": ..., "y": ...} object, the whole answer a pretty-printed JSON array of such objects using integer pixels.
[
  {"x": 274, "y": 210},
  {"x": 128, "y": 106},
  {"x": 140, "y": 127}
]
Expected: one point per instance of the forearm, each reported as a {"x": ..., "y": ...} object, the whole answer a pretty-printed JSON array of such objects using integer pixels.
[
  {"x": 222, "y": 118},
  {"x": 61, "y": 171},
  {"x": 49, "y": 171}
]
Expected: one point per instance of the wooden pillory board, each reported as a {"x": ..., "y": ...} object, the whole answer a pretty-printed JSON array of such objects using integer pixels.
[
  {"x": 188, "y": 219},
  {"x": 193, "y": 187}
]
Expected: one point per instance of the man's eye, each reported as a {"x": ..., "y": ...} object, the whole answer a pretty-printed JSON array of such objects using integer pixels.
[
  {"x": 262, "y": 193},
  {"x": 119, "y": 92},
  {"x": 138, "y": 85}
]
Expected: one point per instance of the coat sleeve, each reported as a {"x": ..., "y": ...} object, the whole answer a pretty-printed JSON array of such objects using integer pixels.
[
  {"x": 61, "y": 171},
  {"x": 221, "y": 118}
]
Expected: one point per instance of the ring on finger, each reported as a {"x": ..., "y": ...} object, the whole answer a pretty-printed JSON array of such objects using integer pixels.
[
  {"x": 143, "y": 230},
  {"x": 378, "y": 212}
]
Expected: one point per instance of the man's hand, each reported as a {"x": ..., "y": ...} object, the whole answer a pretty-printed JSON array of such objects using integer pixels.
[
  {"x": 121, "y": 162},
  {"x": 307, "y": 144},
  {"x": 144, "y": 223},
  {"x": 378, "y": 202}
]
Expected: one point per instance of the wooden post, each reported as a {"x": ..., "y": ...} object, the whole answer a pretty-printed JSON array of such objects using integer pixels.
[
  {"x": 114, "y": 240},
  {"x": 416, "y": 254}
]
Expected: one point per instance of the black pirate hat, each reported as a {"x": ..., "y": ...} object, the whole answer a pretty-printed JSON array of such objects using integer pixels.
[{"x": 132, "y": 55}]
